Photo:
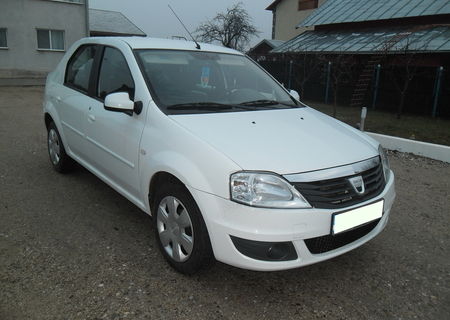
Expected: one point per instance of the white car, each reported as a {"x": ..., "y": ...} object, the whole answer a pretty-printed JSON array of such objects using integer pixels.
[{"x": 230, "y": 165}]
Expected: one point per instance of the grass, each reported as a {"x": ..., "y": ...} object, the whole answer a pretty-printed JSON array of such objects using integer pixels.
[{"x": 413, "y": 127}]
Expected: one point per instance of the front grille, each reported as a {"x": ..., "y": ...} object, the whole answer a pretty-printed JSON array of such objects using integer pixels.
[
  {"x": 331, "y": 242},
  {"x": 338, "y": 193}
]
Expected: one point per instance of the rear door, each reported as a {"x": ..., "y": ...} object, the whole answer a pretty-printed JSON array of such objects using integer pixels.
[
  {"x": 114, "y": 137},
  {"x": 74, "y": 100}
]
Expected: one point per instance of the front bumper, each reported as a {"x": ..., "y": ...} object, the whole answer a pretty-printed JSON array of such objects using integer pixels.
[{"x": 225, "y": 218}]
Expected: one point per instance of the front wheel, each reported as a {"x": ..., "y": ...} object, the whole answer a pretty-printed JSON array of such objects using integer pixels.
[{"x": 181, "y": 232}]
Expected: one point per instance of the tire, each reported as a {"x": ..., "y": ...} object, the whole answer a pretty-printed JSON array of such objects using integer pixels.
[
  {"x": 180, "y": 230},
  {"x": 60, "y": 161}
]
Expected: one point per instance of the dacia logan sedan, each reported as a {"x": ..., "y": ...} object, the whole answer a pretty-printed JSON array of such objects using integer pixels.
[{"x": 230, "y": 165}]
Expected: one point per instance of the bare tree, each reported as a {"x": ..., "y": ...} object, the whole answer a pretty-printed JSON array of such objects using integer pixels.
[
  {"x": 233, "y": 28},
  {"x": 342, "y": 69},
  {"x": 404, "y": 68},
  {"x": 306, "y": 65}
]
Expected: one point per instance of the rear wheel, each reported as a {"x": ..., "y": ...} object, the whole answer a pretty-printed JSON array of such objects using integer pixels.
[
  {"x": 61, "y": 162},
  {"x": 181, "y": 232}
]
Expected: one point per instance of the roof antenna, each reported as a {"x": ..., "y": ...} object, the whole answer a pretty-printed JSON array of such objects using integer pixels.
[{"x": 193, "y": 39}]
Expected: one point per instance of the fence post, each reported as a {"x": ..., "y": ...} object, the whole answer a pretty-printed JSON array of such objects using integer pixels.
[
  {"x": 363, "y": 118},
  {"x": 290, "y": 75},
  {"x": 327, "y": 89},
  {"x": 437, "y": 90},
  {"x": 377, "y": 83}
]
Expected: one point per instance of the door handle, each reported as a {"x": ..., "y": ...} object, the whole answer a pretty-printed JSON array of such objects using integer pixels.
[{"x": 91, "y": 117}]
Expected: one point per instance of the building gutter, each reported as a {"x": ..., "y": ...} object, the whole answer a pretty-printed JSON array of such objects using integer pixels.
[{"x": 86, "y": 4}]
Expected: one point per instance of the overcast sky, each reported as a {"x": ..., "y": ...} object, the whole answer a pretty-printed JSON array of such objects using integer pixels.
[{"x": 156, "y": 19}]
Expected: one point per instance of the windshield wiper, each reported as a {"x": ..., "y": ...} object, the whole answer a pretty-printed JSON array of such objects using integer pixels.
[
  {"x": 210, "y": 106},
  {"x": 264, "y": 103}
]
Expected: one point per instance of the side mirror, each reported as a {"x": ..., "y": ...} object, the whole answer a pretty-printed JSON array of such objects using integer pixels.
[
  {"x": 294, "y": 94},
  {"x": 119, "y": 102}
]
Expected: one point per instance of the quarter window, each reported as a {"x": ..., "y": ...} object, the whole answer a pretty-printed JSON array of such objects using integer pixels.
[
  {"x": 3, "y": 39},
  {"x": 50, "y": 39},
  {"x": 115, "y": 76},
  {"x": 79, "y": 68}
]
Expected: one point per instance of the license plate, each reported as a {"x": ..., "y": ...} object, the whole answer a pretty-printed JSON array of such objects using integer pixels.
[{"x": 344, "y": 221}]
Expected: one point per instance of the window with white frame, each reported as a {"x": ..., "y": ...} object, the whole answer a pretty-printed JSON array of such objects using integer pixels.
[
  {"x": 50, "y": 39},
  {"x": 3, "y": 39}
]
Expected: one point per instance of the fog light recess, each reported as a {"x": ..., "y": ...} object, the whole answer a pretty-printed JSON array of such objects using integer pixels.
[{"x": 266, "y": 251}]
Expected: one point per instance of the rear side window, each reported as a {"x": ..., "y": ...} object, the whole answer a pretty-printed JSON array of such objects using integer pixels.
[
  {"x": 79, "y": 68},
  {"x": 115, "y": 76}
]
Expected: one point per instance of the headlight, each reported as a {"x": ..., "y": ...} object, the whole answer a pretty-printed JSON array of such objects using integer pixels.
[
  {"x": 385, "y": 162},
  {"x": 265, "y": 190}
]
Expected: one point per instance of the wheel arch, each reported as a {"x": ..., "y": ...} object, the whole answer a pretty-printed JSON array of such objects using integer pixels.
[
  {"x": 48, "y": 119},
  {"x": 159, "y": 178}
]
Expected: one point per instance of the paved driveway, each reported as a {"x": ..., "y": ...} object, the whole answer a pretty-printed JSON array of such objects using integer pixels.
[{"x": 72, "y": 248}]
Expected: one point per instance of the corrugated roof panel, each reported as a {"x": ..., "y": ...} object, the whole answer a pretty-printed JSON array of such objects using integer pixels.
[
  {"x": 423, "y": 39},
  {"x": 370, "y": 42},
  {"x": 356, "y": 14},
  {"x": 446, "y": 8},
  {"x": 420, "y": 9},
  {"x": 370, "y": 11},
  {"x": 403, "y": 11},
  {"x": 412, "y": 42},
  {"x": 379, "y": 12},
  {"x": 376, "y": 40},
  {"x": 346, "y": 11},
  {"x": 412, "y": 5},
  {"x": 435, "y": 8},
  {"x": 446, "y": 42},
  {"x": 441, "y": 41},
  {"x": 323, "y": 12},
  {"x": 306, "y": 41},
  {"x": 341, "y": 11},
  {"x": 391, "y": 10}
]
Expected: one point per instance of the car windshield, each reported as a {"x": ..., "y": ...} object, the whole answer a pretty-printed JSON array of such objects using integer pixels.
[{"x": 199, "y": 82}]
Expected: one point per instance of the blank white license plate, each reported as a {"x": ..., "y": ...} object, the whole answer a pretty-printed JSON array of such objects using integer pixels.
[{"x": 350, "y": 219}]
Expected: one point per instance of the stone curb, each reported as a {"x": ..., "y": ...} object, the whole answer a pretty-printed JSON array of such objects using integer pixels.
[{"x": 425, "y": 149}]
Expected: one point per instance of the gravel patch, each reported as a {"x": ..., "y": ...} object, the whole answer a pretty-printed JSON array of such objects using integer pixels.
[{"x": 73, "y": 248}]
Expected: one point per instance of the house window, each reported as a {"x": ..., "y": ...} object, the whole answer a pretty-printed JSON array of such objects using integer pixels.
[
  {"x": 307, "y": 4},
  {"x": 50, "y": 39},
  {"x": 3, "y": 39}
]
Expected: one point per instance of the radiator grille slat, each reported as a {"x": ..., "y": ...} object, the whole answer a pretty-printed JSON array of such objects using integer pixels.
[{"x": 338, "y": 193}]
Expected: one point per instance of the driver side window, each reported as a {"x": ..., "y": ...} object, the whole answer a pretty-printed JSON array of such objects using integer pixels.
[{"x": 115, "y": 76}]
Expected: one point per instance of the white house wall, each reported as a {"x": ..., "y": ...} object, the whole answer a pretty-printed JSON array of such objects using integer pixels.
[{"x": 22, "y": 18}]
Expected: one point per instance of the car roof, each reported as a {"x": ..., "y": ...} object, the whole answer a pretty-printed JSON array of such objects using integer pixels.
[{"x": 157, "y": 43}]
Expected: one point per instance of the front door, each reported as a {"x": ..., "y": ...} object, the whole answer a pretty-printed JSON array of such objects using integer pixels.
[{"x": 113, "y": 137}]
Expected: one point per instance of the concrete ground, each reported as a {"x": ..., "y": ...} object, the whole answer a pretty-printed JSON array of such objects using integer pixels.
[{"x": 72, "y": 248}]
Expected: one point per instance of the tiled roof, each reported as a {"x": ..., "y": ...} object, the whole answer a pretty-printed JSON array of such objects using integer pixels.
[{"x": 112, "y": 22}]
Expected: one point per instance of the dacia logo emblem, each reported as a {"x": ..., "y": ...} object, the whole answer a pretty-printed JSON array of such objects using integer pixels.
[{"x": 357, "y": 184}]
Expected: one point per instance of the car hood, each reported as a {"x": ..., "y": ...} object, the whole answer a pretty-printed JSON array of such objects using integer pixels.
[{"x": 283, "y": 141}]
